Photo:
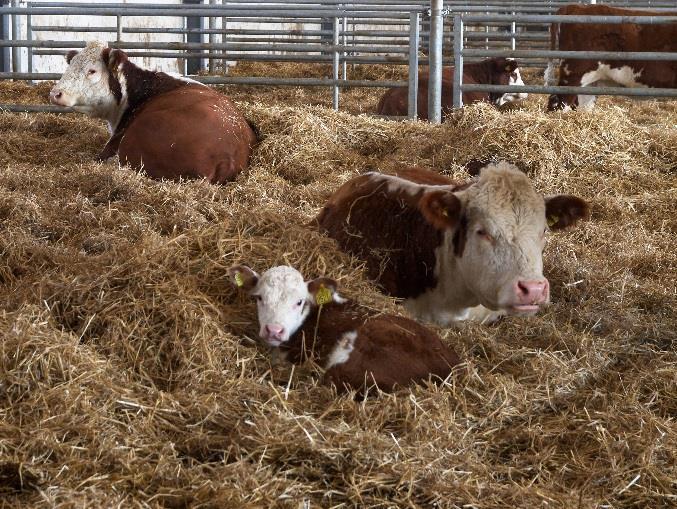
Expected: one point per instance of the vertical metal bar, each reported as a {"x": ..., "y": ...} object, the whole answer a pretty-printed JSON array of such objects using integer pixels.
[
  {"x": 224, "y": 38},
  {"x": 458, "y": 62},
  {"x": 335, "y": 64},
  {"x": 344, "y": 39},
  {"x": 16, "y": 35},
  {"x": 414, "y": 18},
  {"x": 5, "y": 53},
  {"x": 212, "y": 39},
  {"x": 118, "y": 35},
  {"x": 513, "y": 31},
  {"x": 29, "y": 37},
  {"x": 435, "y": 51}
]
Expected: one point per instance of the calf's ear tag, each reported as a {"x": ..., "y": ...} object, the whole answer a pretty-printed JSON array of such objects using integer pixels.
[
  {"x": 552, "y": 220},
  {"x": 238, "y": 280},
  {"x": 323, "y": 296}
]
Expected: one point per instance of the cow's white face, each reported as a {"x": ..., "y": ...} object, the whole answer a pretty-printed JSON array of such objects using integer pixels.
[
  {"x": 501, "y": 242},
  {"x": 85, "y": 86},
  {"x": 514, "y": 79},
  {"x": 283, "y": 299}
]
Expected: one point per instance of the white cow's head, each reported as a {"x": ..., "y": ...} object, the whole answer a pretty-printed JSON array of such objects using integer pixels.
[
  {"x": 91, "y": 83},
  {"x": 284, "y": 300},
  {"x": 494, "y": 233}
]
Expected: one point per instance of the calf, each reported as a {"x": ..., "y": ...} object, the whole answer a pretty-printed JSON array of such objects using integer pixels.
[
  {"x": 448, "y": 247},
  {"x": 168, "y": 126},
  {"x": 493, "y": 71},
  {"x": 605, "y": 37},
  {"x": 356, "y": 346}
]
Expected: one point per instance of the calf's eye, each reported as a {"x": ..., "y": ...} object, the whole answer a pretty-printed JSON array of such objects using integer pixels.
[
  {"x": 299, "y": 302},
  {"x": 91, "y": 71}
]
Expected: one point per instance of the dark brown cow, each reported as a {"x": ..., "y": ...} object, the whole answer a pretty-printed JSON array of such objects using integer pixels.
[
  {"x": 629, "y": 37},
  {"x": 493, "y": 71},
  {"x": 453, "y": 251},
  {"x": 170, "y": 127},
  {"x": 357, "y": 346}
]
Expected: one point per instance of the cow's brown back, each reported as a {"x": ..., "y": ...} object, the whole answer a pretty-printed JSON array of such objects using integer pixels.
[
  {"x": 391, "y": 235},
  {"x": 192, "y": 132}
]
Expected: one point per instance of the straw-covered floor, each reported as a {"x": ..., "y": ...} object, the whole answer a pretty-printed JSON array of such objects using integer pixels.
[{"x": 130, "y": 374}]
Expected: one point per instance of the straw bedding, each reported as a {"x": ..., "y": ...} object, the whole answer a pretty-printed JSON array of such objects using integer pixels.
[{"x": 130, "y": 374}]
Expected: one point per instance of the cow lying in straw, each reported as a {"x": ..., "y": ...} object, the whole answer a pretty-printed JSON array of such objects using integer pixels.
[
  {"x": 356, "y": 346},
  {"x": 454, "y": 251},
  {"x": 170, "y": 127}
]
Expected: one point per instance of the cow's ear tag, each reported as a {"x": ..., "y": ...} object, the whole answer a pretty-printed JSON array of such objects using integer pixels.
[
  {"x": 238, "y": 280},
  {"x": 508, "y": 68},
  {"x": 323, "y": 296},
  {"x": 445, "y": 212},
  {"x": 552, "y": 220}
]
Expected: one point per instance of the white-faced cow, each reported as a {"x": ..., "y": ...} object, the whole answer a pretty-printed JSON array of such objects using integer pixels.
[
  {"x": 168, "y": 126},
  {"x": 629, "y": 37},
  {"x": 448, "y": 247},
  {"x": 356, "y": 346},
  {"x": 491, "y": 71}
]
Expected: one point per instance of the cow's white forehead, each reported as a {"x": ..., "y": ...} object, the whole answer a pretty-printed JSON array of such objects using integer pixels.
[
  {"x": 281, "y": 283},
  {"x": 506, "y": 195},
  {"x": 91, "y": 53}
]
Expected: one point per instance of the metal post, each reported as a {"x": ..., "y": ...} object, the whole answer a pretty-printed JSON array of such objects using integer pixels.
[
  {"x": 118, "y": 36},
  {"x": 435, "y": 51},
  {"x": 224, "y": 38},
  {"x": 414, "y": 18},
  {"x": 458, "y": 62},
  {"x": 344, "y": 39},
  {"x": 513, "y": 31},
  {"x": 4, "y": 35},
  {"x": 16, "y": 35},
  {"x": 335, "y": 64},
  {"x": 212, "y": 38},
  {"x": 29, "y": 37}
]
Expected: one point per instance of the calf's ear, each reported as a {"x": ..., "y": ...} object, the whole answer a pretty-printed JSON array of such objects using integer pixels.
[
  {"x": 70, "y": 55},
  {"x": 243, "y": 277},
  {"x": 564, "y": 210},
  {"x": 323, "y": 290},
  {"x": 442, "y": 209},
  {"x": 113, "y": 58},
  {"x": 510, "y": 66}
]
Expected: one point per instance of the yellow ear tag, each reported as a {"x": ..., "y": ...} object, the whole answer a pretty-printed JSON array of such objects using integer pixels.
[
  {"x": 445, "y": 213},
  {"x": 552, "y": 220},
  {"x": 238, "y": 280},
  {"x": 323, "y": 296}
]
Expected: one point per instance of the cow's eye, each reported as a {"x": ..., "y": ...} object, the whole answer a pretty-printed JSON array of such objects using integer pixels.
[
  {"x": 91, "y": 71},
  {"x": 299, "y": 302},
  {"x": 258, "y": 298}
]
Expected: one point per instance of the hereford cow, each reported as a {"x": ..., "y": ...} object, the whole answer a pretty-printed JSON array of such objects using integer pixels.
[
  {"x": 447, "y": 247},
  {"x": 493, "y": 71},
  {"x": 356, "y": 346},
  {"x": 599, "y": 37},
  {"x": 171, "y": 127}
]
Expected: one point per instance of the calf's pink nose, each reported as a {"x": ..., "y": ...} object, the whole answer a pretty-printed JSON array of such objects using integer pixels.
[
  {"x": 274, "y": 331},
  {"x": 532, "y": 292}
]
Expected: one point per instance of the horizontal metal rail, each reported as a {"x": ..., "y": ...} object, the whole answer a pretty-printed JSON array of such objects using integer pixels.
[
  {"x": 576, "y": 55},
  {"x": 532, "y": 89}
]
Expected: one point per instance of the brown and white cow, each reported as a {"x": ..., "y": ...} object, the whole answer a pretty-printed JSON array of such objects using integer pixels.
[
  {"x": 170, "y": 127},
  {"x": 449, "y": 247},
  {"x": 492, "y": 71},
  {"x": 356, "y": 346},
  {"x": 629, "y": 37}
]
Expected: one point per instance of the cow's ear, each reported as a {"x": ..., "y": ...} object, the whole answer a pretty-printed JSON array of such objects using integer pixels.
[
  {"x": 510, "y": 65},
  {"x": 113, "y": 58},
  {"x": 243, "y": 277},
  {"x": 323, "y": 290},
  {"x": 70, "y": 55},
  {"x": 442, "y": 209},
  {"x": 564, "y": 210}
]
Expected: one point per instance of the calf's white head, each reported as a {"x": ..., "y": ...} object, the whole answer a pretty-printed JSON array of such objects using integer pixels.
[
  {"x": 90, "y": 84},
  {"x": 494, "y": 235},
  {"x": 283, "y": 299}
]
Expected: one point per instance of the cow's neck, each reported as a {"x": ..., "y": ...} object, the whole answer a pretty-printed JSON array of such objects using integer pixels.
[
  {"x": 480, "y": 71},
  {"x": 133, "y": 87},
  {"x": 451, "y": 300}
]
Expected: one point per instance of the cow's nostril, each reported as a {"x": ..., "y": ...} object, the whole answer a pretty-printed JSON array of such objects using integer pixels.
[{"x": 523, "y": 288}]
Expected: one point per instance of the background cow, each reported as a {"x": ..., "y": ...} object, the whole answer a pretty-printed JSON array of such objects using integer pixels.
[
  {"x": 171, "y": 127},
  {"x": 357, "y": 346},
  {"x": 493, "y": 71},
  {"x": 447, "y": 247},
  {"x": 599, "y": 37}
]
